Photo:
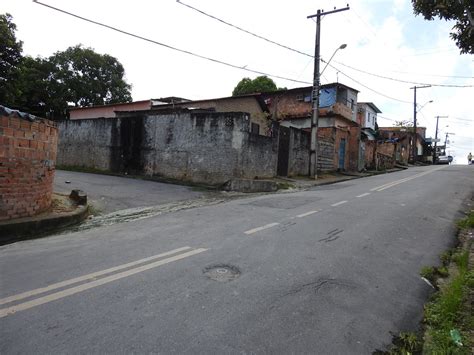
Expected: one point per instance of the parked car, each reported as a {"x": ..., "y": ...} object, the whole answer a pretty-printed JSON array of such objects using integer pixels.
[{"x": 444, "y": 159}]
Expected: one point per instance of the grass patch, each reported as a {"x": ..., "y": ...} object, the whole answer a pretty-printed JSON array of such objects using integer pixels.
[
  {"x": 467, "y": 222},
  {"x": 446, "y": 316},
  {"x": 285, "y": 186}
]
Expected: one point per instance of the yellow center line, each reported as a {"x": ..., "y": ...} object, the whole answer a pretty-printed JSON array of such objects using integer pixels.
[
  {"x": 87, "y": 277},
  {"x": 86, "y": 286}
]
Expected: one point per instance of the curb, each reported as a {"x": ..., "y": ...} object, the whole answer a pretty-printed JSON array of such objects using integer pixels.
[{"x": 27, "y": 228}]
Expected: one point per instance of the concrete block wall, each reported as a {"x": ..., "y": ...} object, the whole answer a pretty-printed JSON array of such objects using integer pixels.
[
  {"x": 88, "y": 143},
  {"x": 298, "y": 152},
  {"x": 208, "y": 148},
  {"x": 27, "y": 165}
]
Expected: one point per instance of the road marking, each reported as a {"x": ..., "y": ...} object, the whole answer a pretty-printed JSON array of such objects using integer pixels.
[
  {"x": 366, "y": 194},
  {"x": 338, "y": 203},
  {"x": 258, "y": 229},
  {"x": 397, "y": 182},
  {"x": 86, "y": 277},
  {"x": 307, "y": 214},
  {"x": 86, "y": 286}
]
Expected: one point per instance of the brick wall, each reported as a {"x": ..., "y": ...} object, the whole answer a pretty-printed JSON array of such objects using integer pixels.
[{"x": 27, "y": 165}]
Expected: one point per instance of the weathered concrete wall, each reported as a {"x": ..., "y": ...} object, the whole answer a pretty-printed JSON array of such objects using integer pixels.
[
  {"x": 87, "y": 143},
  {"x": 27, "y": 164},
  {"x": 298, "y": 162},
  {"x": 206, "y": 148}
]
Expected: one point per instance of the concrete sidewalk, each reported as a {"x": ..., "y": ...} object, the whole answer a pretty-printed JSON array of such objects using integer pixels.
[{"x": 304, "y": 182}]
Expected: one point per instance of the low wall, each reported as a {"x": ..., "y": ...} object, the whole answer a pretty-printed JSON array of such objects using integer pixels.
[
  {"x": 208, "y": 148},
  {"x": 28, "y": 148}
]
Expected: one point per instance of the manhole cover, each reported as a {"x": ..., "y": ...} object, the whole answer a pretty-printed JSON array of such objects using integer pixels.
[{"x": 222, "y": 272}]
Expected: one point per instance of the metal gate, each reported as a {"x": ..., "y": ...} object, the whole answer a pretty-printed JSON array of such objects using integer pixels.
[
  {"x": 342, "y": 153},
  {"x": 283, "y": 151}
]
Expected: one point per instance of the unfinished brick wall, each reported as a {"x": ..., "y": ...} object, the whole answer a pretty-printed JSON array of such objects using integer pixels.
[{"x": 27, "y": 164}]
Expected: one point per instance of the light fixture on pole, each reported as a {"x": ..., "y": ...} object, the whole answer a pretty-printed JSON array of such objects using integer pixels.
[
  {"x": 426, "y": 103},
  {"x": 414, "y": 119},
  {"x": 313, "y": 149},
  {"x": 342, "y": 46},
  {"x": 436, "y": 137}
]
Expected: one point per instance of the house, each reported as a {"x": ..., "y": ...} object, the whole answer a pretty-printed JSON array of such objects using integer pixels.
[
  {"x": 367, "y": 115},
  {"x": 253, "y": 104},
  {"x": 403, "y": 137},
  {"x": 108, "y": 111},
  {"x": 337, "y": 118}
]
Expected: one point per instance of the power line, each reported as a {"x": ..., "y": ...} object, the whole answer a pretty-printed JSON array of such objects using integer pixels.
[
  {"x": 309, "y": 55},
  {"x": 368, "y": 88},
  {"x": 171, "y": 47},
  {"x": 386, "y": 118},
  {"x": 403, "y": 81},
  {"x": 434, "y": 75},
  {"x": 244, "y": 30}
]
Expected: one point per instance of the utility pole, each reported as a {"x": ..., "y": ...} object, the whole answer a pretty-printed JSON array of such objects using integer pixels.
[
  {"x": 414, "y": 150},
  {"x": 436, "y": 138},
  {"x": 313, "y": 156}
]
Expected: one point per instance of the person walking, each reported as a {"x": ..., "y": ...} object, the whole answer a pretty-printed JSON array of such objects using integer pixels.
[{"x": 469, "y": 158}]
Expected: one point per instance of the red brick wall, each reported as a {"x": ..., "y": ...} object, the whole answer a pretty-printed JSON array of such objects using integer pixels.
[
  {"x": 27, "y": 164},
  {"x": 352, "y": 146}
]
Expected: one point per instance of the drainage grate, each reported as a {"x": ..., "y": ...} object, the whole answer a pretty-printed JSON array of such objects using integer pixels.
[{"x": 222, "y": 272}]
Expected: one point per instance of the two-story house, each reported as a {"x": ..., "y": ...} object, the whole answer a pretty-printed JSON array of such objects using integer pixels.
[{"x": 337, "y": 118}]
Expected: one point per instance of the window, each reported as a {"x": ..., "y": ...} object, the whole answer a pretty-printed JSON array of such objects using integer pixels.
[
  {"x": 299, "y": 98},
  {"x": 352, "y": 104}
]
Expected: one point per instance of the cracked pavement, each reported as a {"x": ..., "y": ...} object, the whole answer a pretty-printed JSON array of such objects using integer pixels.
[{"x": 327, "y": 271}]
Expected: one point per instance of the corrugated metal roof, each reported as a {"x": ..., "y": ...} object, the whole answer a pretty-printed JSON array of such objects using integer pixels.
[{"x": 5, "y": 111}]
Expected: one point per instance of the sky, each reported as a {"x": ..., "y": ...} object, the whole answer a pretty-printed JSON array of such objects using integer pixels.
[{"x": 383, "y": 37}]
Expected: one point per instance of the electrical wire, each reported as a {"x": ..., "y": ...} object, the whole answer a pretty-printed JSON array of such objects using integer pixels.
[
  {"x": 244, "y": 30},
  {"x": 309, "y": 55},
  {"x": 368, "y": 88},
  {"x": 386, "y": 118},
  {"x": 171, "y": 47},
  {"x": 403, "y": 81}
]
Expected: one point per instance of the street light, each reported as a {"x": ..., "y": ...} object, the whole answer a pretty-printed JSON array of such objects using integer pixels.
[
  {"x": 342, "y": 46},
  {"x": 414, "y": 119},
  {"x": 313, "y": 155},
  {"x": 426, "y": 103}
]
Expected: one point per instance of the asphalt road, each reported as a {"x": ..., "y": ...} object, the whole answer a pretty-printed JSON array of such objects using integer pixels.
[
  {"x": 113, "y": 193},
  {"x": 332, "y": 270}
]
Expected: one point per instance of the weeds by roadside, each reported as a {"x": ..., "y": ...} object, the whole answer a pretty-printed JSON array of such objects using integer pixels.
[{"x": 448, "y": 316}]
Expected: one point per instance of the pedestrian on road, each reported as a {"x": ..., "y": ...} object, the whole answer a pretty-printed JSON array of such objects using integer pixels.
[{"x": 469, "y": 158}]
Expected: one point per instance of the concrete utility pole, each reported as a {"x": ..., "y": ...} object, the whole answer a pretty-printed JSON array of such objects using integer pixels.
[
  {"x": 414, "y": 151},
  {"x": 313, "y": 156},
  {"x": 436, "y": 137}
]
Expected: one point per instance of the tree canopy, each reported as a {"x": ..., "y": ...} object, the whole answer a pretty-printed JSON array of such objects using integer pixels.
[
  {"x": 10, "y": 57},
  {"x": 259, "y": 84},
  {"x": 460, "y": 11},
  {"x": 46, "y": 87}
]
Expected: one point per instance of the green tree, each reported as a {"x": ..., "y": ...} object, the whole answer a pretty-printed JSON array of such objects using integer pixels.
[
  {"x": 34, "y": 92},
  {"x": 10, "y": 58},
  {"x": 84, "y": 77},
  {"x": 460, "y": 11},
  {"x": 259, "y": 84},
  {"x": 75, "y": 77}
]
